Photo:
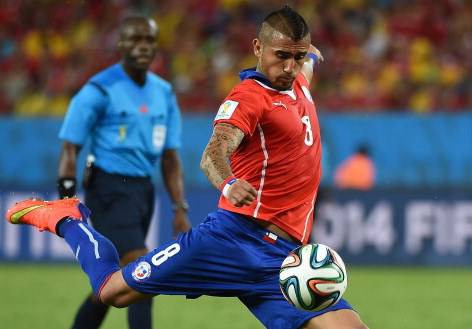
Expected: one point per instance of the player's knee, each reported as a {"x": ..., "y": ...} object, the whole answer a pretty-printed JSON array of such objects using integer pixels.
[
  {"x": 118, "y": 299},
  {"x": 110, "y": 300},
  {"x": 115, "y": 292},
  {"x": 114, "y": 300},
  {"x": 112, "y": 297}
]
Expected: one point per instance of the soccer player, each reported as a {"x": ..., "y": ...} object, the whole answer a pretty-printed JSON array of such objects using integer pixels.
[
  {"x": 264, "y": 155},
  {"x": 132, "y": 119}
]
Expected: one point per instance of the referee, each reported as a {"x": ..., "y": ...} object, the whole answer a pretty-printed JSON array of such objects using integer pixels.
[{"x": 132, "y": 119}]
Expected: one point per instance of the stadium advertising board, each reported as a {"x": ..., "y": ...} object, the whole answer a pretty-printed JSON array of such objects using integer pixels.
[
  {"x": 398, "y": 227},
  {"x": 379, "y": 227}
]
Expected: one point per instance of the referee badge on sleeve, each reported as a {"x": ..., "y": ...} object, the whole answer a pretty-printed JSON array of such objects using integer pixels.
[{"x": 226, "y": 110}]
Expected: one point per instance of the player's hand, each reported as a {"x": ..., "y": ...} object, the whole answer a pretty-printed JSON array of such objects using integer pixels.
[
  {"x": 316, "y": 51},
  {"x": 181, "y": 223},
  {"x": 241, "y": 193}
]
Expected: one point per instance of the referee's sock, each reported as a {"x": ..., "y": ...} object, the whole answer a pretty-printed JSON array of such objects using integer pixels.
[
  {"x": 96, "y": 254},
  {"x": 140, "y": 314},
  {"x": 90, "y": 314}
]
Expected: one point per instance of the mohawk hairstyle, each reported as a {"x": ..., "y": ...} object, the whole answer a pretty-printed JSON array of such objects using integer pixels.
[{"x": 288, "y": 22}]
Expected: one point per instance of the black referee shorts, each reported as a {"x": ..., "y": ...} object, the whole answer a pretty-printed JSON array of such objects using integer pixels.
[{"x": 122, "y": 208}]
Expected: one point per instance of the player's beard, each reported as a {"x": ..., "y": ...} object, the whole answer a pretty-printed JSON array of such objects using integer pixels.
[{"x": 284, "y": 83}]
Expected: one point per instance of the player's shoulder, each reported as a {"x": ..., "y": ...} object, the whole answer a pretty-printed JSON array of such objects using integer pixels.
[
  {"x": 249, "y": 90},
  {"x": 249, "y": 86}
]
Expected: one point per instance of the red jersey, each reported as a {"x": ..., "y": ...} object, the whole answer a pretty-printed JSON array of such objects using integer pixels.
[{"x": 279, "y": 155}]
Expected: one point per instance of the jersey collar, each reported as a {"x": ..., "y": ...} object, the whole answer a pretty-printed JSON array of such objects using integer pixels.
[
  {"x": 251, "y": 73},
  {"x": 260, "y": 78}
]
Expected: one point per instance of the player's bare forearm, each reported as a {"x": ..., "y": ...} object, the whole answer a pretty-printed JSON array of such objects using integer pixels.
[
  {"x": 172, "y": 175},
  {"x": 215, "y": 159},
  {"x": 307, "y": 68},
  {"x": 68, "y": 159}
]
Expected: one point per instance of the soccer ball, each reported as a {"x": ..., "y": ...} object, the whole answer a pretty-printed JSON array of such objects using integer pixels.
[{"x": 313, "y": 277}]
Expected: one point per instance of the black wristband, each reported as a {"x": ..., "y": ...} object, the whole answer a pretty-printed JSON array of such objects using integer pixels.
[
  {"x": 66, "y": 187},
  {"x": 180, "y": 205}
]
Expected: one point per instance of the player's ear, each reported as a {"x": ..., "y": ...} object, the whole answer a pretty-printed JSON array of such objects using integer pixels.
[{"x": 257, "y": 45}]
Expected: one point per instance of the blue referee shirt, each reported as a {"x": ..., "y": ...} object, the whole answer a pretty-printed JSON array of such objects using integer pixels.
[{"x": 129, "y": 125}]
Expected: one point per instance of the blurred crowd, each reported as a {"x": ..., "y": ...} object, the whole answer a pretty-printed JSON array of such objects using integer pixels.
[{"x": 382, "y": 55}]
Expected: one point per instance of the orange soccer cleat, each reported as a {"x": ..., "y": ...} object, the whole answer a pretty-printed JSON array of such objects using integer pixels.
[{"x": 46, "y": 214}]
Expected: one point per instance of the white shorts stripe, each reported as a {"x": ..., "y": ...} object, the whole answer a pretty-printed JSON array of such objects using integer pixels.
[{"x": 91, "y": 238}]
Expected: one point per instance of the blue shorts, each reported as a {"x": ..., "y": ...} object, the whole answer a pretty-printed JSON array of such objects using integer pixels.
[{"x": 223, "y": 256}]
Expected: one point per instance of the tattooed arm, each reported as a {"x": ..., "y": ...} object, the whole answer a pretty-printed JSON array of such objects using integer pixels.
[
  {"x": 215, "y": 160},
  {"x": 215, "y": 163}
]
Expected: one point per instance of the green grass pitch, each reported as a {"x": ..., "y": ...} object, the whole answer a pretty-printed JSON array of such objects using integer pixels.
[{"x": 46, "y": 296}]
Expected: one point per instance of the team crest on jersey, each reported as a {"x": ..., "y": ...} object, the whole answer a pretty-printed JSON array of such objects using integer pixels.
[
  {"x": 226, "y": 110},
  {"x": 307, "y": 93},
  {"x": 142, "y": 271}
]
